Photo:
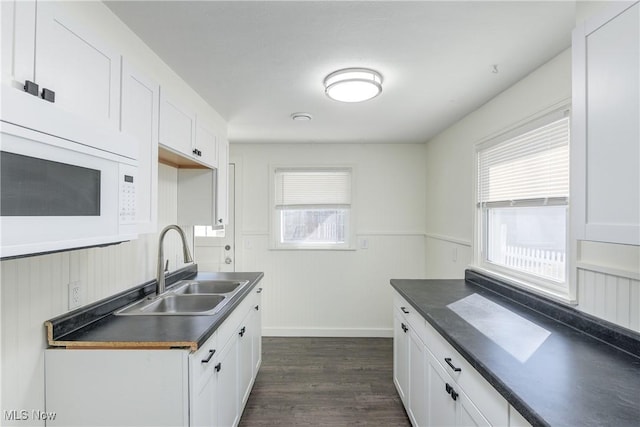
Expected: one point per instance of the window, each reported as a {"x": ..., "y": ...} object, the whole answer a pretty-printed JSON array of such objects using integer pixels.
[
  {"x": 523, "y": 193},
  {"x": 207, "y": 231},
  {"x": 312, "y": 208}
]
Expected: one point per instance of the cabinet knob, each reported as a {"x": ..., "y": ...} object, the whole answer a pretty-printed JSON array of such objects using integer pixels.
[
  {"x": 220, "y": 220},
  {"x": 404, "y": 328},
  {"x": 451, "y": 391},
  {"x": 259, "y": 291},
  {"x": 257, "y": 307},
  {"x": 242, "y": 331},
  {"x": 218, "y": 367}
]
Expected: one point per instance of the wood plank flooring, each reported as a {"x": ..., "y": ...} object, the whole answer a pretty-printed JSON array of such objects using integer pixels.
[{"x": 325, "y": 382}]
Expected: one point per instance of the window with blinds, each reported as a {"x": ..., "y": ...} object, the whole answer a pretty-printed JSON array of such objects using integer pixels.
[
  {"x": 523, "y": 196},
  {"x": 312, "y": 208}
]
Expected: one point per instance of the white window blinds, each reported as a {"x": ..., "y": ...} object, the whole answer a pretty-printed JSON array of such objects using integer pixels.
[
  {"x": 531, "y": 169},
  {"x": 312, "y": 188}
]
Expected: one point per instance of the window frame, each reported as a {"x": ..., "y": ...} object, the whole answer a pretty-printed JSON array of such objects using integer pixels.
[
  {"x": 275, "y": 218},
  {"x": 563, "y": 292}
]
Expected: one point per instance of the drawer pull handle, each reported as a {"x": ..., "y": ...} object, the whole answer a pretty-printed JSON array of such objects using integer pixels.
[
  {"x": 242, "y": 331},
  {"x": 451, "y": 365},
  {"x": 259, "y": 291},
  {"x": 208, "y": 358},
  {"x": 404, "y": 328},
  {"x": 404, "y": 310}
]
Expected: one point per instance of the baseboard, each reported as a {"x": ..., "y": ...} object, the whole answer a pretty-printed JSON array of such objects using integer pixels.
[{"x": 337, "y": 332}]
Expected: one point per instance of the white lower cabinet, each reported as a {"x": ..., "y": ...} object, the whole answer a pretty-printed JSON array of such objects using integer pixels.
[
  {"x": 448, "y": 405},
  {"x": 178, "y": 387},
  {"x": 409, "y": 361},
  {"x": 438, "y": 387}
]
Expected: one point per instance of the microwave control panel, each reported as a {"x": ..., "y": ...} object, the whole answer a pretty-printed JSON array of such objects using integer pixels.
[{"x": 127, "y": 190}]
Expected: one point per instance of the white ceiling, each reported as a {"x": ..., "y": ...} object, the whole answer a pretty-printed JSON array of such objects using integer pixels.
[{"x": 257, "y": 62}]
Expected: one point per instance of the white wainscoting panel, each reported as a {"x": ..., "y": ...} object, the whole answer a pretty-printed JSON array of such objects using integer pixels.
[
  {"x": 446, "y": 257},
  {"x": 612, "y": 297}
]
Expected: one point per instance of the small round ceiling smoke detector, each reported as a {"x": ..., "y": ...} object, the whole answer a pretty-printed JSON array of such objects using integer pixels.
[
  {"x": 353, "y": 84},
  {"x": 301, "y": 117}
]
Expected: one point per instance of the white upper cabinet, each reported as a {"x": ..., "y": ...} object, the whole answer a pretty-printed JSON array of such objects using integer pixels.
[
  {"x": 139, "y": 118},
  {"x": 177, "y": 124},
  {"x": 82, "y": 70},
  {"x": 206, "y": 142},
  {"x": 222, "y": 184},
  {"x": 186, "y": 133},
  {"x": 18, "y": 42},
  {"x": 605, "y": 180},
  {"x": 73, "y": 75}
]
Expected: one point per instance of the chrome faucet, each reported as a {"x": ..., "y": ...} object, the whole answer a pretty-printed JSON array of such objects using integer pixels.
[{"x": 185, "y": 253}]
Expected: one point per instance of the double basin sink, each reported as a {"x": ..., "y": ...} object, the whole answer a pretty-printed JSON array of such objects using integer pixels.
[{"x": 187, "y": 298}]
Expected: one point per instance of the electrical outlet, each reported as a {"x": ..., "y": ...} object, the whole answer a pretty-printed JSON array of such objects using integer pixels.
[
  {"x": 75, "y": 295},
  {"x": 364, "y": 243}
]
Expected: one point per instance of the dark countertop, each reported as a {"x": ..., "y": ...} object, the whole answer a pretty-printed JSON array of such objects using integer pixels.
[
  {"x": 96, "y": 326},
  {"x": 571, "y": 379}
]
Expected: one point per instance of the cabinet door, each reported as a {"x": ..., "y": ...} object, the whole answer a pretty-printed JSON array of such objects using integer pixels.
[
  {"x": 206, "y": 143},
  {"x": 467, "y": 414},
  {"x": 82, "y": 70},
  {"x": 417, "y": 380},
  {"x": 177, "y": 125},
  {"x": 441, "y": 408},
  {"x": 195, "y": 196},
  {"x": 256, "y": 337},
  {"x": 139, "y": 118},
  {"x": 400, "y": 356},
  {"x": 606, "y": 127},
  {"x": 18, "y": 42},
  {"x": 245, "y": 357},
  {"x": 203, "y": 385},
  {"x": 222, "y": 184},
  {"x": 228, "y": 412}
]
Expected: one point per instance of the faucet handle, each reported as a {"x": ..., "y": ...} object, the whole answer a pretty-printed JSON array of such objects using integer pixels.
[{"x": 166, "y": 266}]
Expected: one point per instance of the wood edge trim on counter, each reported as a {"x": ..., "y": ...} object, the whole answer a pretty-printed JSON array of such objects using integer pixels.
[
  {"x": 49, "y": 327},
  {"x": 124, "y": 345}
]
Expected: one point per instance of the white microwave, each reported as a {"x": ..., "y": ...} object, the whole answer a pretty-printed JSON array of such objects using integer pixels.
[{"x": 56, "y": 194}]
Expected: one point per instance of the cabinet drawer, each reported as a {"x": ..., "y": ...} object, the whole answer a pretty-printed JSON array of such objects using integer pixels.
[
  {"x": 492, "y": 405},
  {"x": 229, "y": 326},
  {"x": 415, "y": 319},
  {"x": 201, "y": 360}
]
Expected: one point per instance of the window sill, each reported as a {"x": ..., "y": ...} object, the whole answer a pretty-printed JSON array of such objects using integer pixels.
[{"x": 558, "y": 296}]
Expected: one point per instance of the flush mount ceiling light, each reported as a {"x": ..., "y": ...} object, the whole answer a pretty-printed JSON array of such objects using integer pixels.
[{"x": 353, "y": 84}]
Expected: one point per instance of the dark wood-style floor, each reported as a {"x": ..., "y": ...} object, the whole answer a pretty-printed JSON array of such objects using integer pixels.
[{"x": 325, "y": 382}]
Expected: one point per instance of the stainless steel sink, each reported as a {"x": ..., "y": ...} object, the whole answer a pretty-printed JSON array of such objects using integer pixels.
[
  {"x": 176, "y": 305},
  {"x": 209, "y": 287}
]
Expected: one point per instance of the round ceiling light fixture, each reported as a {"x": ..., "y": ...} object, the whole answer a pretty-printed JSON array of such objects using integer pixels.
[{"x": 353, "y": 84}]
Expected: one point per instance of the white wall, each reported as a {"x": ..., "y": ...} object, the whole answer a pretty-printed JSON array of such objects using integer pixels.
[
  {"x": 450, "y": 162},
  {"x": 606, "y": 276},
  {"x": 335, "y": 293}
]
